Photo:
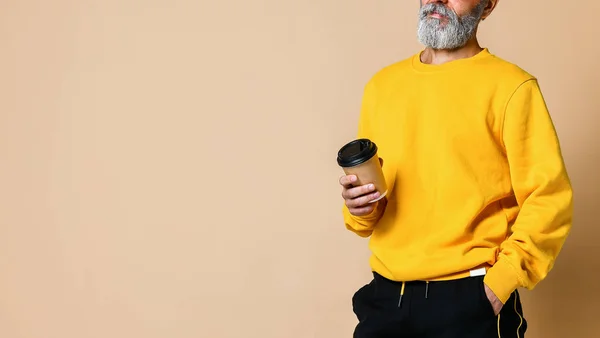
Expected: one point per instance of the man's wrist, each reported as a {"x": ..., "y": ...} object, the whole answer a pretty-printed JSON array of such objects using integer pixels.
[{"x": 502, "y": 280}]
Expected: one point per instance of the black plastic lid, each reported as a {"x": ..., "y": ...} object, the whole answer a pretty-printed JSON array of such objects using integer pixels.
[{"x": 356, "y": 152}]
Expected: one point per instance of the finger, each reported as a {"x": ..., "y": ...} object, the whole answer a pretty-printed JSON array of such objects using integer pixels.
[
  {"x": 348, "y": 180},
  {"x": 362, "y": 201},
  {"x": 362, "y": 211},
  {"x": 359, "y": 191}
]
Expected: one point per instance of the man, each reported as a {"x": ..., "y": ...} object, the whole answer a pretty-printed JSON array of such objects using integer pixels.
[{"x": 479, "y": 201}]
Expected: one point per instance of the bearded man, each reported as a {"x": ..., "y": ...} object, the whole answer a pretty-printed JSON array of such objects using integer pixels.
[{"x": 479, "y": 202}]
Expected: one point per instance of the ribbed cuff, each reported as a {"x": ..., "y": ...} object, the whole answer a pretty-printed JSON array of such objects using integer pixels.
[
  {"x": 363, "y": 225},
  {"x": 502, "y": 279}
]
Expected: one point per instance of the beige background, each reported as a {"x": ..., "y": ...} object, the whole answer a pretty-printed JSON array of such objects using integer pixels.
[{"x": 168, "y": 166}]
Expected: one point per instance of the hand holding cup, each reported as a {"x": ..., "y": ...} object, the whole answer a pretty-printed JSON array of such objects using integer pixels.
[
  {"x": 359, "y": 199},
  {"x": 364, "y": 183}
]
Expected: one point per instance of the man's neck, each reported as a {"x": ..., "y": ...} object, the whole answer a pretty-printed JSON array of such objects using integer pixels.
[{"x": 440, "y": 56}]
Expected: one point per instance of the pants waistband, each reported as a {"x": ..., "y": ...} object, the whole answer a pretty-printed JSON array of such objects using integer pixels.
[{"x": 420, "y": 286}]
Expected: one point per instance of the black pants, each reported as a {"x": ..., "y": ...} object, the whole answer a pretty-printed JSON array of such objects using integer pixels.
[{"x": 446, "y": 309}]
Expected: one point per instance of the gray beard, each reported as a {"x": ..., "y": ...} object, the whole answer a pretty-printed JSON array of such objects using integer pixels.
[{"x": 455, "y": 33}]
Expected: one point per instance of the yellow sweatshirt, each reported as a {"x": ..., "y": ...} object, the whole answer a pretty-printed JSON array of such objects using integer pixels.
[{"x": 475, "y": 172}]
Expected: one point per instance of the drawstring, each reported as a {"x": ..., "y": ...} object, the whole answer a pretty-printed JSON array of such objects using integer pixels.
[{"x": 401, "y": 294}]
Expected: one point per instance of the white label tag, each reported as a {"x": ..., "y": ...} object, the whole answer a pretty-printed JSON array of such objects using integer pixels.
[{"x": 478, "y": 272}]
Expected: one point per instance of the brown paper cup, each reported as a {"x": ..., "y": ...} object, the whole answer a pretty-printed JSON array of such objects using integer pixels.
[{"x": 359, "y": 158}]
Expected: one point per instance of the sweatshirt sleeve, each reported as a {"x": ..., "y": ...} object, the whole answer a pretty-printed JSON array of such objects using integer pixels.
[
  {"x": 363, "y": 225},
  {"x": 542, "y": 189}
]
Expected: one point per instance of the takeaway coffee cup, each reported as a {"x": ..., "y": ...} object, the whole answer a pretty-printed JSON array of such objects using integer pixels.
[{"x": 359, "y": 158}]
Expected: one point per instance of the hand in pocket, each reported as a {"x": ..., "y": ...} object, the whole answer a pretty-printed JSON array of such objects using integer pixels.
[{"x": 496, "y": 303}]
